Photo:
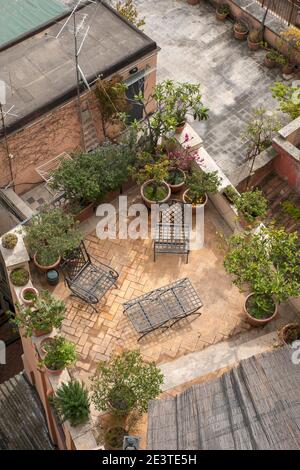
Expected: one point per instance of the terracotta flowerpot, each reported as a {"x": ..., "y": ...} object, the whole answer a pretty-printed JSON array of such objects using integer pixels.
[
  {"x": 253, "y": 46},
  {"x": 148, "y": 202},
  {"x": 193, "y": 2},
  {"x": 255, "y": 321},
  {"x": 269, "y": 63},
  {"x": 180, "y": 129},
  {"x": 175, "y": 188},
  {"x": 287, "y": 69},
  {"x": 39, "y": 333},
  {"x": 194, "y": 207},
  {"x": 26, "y": 290},
  {"x": 221, "y": 16},
  {"x": 46, "y": 268},
  {"x": 53, "y": 371},
  {"x": 285, "y": 332},
  {"x": 240, "y": 35},
  {"x": 44, "y": 342}
]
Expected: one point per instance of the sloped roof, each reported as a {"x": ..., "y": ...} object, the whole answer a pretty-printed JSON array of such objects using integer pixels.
[
  {"x": 253, "y": 406},
  {"x": 22, "y": 423},
  {"x": 17, "y": 17}
]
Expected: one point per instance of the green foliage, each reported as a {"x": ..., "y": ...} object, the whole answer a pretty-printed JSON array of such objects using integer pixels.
[
  {"x": 89, "y": 177},
  {"x": 19, "y": 277},
  {"x": 125, "y": 382},
  {"x": 175, "y": 176},
  {"x": 251, "y": 204},
  {"x": 291, "y": 209},
  {"x": 46, "y": 312},
  {"x": 276, "y": 57},
  {"x": 231, "y": 193},
  {"x": 127, "y": 8},
  {"x": 52, "y": 233},
  {"x": 60, "y": 353},
  {"x": 154, "y": 168},
  {"x": 223, "y": 9},
  {"x": 71, "y": 402},
  {"x": 9, "y": 240},
  {"x": 260, "y": 306},
  {"x": 288, "y": 98},
  {"x": 268, "y": 261},
  {"x": 259, "y": 131},
  {"x": 111, "y": 95},
  {"x": 199, "y": 183}
]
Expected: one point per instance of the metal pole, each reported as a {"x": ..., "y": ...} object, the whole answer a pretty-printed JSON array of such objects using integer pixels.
[
  {"x": 7, "y": 147},
  {"x": 78, "y": 82}
]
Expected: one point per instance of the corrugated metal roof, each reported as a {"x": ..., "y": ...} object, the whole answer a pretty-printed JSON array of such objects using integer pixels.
[
  {"x": 18, "y": 17},
  {"x": 254, "y": 406}
]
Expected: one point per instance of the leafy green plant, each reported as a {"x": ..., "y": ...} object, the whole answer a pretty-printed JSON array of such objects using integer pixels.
[
  {"x": 46, "y": 312},
  {"x": 291, "y": 209},
  {"x": 251, "y": 204},
  {"x": 52, "y": 233},
  {"x": 113, "y": 104},
  {"x": 124, "y": 383},
  {"x": 127, "y": 8},
  {"x": 19, "y": 277},
  {"x": 72, "y": 403},
  {"x": 231, "y": 193},
  {"x": 155, "y": 169},
  {"x": 60, "y": 353},
  {"x": 175, "y": 176},
  {"x": 9, "y": 240},
  {"x": 223, "y": 9},
  {"x": 267, "y": 261},
  {"x": 276, "y": 57},
  {"x": 288, "y": 97},
  {"x": 199, "y": 183},
  {"x": 261, "y": 306}
]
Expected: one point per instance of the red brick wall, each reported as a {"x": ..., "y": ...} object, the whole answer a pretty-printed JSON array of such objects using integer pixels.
[{"x": 287, "y": 166}]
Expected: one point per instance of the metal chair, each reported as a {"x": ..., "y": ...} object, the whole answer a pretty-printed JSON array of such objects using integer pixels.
[{"x": 86, "y": 277}]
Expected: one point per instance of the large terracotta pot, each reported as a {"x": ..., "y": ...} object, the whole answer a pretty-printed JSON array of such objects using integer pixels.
[
  {"x": 255, "y": 321},
  {"x": 46, "y": 268},
  {"x": 148, "y": 202},
  {"x": 53, "y": 371},
  {"x": 194, "y": 207}
]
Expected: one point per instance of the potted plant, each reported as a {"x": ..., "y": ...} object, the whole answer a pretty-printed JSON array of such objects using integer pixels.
[
  {"x": 50, "y": 235},
  {"x": 19, "y": 277},
  {"x": 251, "y": 206},
  {"x": 222, "y": 11},
  {"x": 114, "y": 437},
  {"x": 240, "y": 30},
  {"x": 175, "y": 179},
  {"x": 290, "y": 44},
  {"x": 45, "y": 313},
  {"x": 268, "y": 263},
  {"x": 9, "y": 241},
  {"x": 289, "y": 333},
  {"x": 230, "y": 193},
  {"x": 124, "y": 383},
  {"x": 60, "y": 353},
  {"x": 29, "y": 295},
  {"x": 71, "y": 402},
  {"x": 152, "y": 177},
  {"x": 274, "y": 58},
  {"x": 199, "y": 184},
  {"x": 255, "y": 39},
  {"x": 180, "y": 156}
]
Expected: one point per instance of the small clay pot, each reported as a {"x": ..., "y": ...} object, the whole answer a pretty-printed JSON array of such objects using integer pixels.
[
  {"x": 255, "y": 321},
  {"x": 26, "y": 290}
]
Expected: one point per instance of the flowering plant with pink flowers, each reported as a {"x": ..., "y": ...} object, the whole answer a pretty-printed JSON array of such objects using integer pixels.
[{"x": 182, "y": 156}]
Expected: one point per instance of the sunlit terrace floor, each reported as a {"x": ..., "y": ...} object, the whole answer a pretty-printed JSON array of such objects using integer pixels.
[{"x": 98, "y": 335}]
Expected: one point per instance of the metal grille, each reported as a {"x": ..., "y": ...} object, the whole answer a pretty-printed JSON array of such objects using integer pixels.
[
  {"x": 287, "y": 10},
  {"x": 164, "y": 306}
]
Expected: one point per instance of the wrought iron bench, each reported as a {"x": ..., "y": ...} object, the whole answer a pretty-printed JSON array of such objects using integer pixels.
[
  {"x": 86, "y": 277},
  {"x": 163, "y": 307},
  {"x": 171, "y": 233}
]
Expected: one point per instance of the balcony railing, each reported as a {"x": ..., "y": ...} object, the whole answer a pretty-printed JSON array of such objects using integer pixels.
[{"x": 287, "y": 10}]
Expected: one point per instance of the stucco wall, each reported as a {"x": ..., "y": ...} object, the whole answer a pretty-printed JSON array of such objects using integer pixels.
[{"x": 56, "y": 132}]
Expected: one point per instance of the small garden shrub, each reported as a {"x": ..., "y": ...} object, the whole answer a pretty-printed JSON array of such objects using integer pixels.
[{"x": 71, "y": 402}]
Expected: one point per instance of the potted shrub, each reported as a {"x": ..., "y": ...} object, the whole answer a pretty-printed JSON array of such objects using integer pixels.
[
  {"x": 71, "y": 402},
  {"x": 199, "y": 184},
  {"x": 222, "y": 11},
  {"x": 45, "y": 313},
  {"x": 60, "y": 353},
  {"x": 50, "y": 235},
  {"x": 19, "y": 277},
  {"x": 269, "y": 263},
  {"x": 240, "y": 30},
  {"x": 180, "y": 155},
  {"x": 255, "y": 39},
  {"x": 114, "y": 437},
  {"x": 124, "y": 383},
  {"x": 289, "y": 333},
  {"x": 29, "y": 295},
  {"x": 9, "y": 241},
  {"x": 152, "y": 177},
  {"x": 252, "y": 206},
  {"x": 175, "y": 179},
  {"x": 274, "y": 58}
]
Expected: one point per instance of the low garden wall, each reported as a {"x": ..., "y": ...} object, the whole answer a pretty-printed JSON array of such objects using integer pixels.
[{"x": 287, "y": 145}]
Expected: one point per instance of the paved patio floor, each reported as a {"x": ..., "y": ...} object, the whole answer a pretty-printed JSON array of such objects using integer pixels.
[{"x": 195, "y": 47}]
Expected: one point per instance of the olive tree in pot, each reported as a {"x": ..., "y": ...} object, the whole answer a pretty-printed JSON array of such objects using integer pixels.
[
  {"x": 199, "y": 184},
  {"x": 50, "y": 235},
  {"x": 45, "y": 313},
  {"x": 252, "y": 206},
  {"x": 71, "y": 402},
  {"x": 269, "y": 263},
  {"x": 152, "y": 176},
  {"x": 124, "y": 383},
  {"x": 60, "y": 353}
]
